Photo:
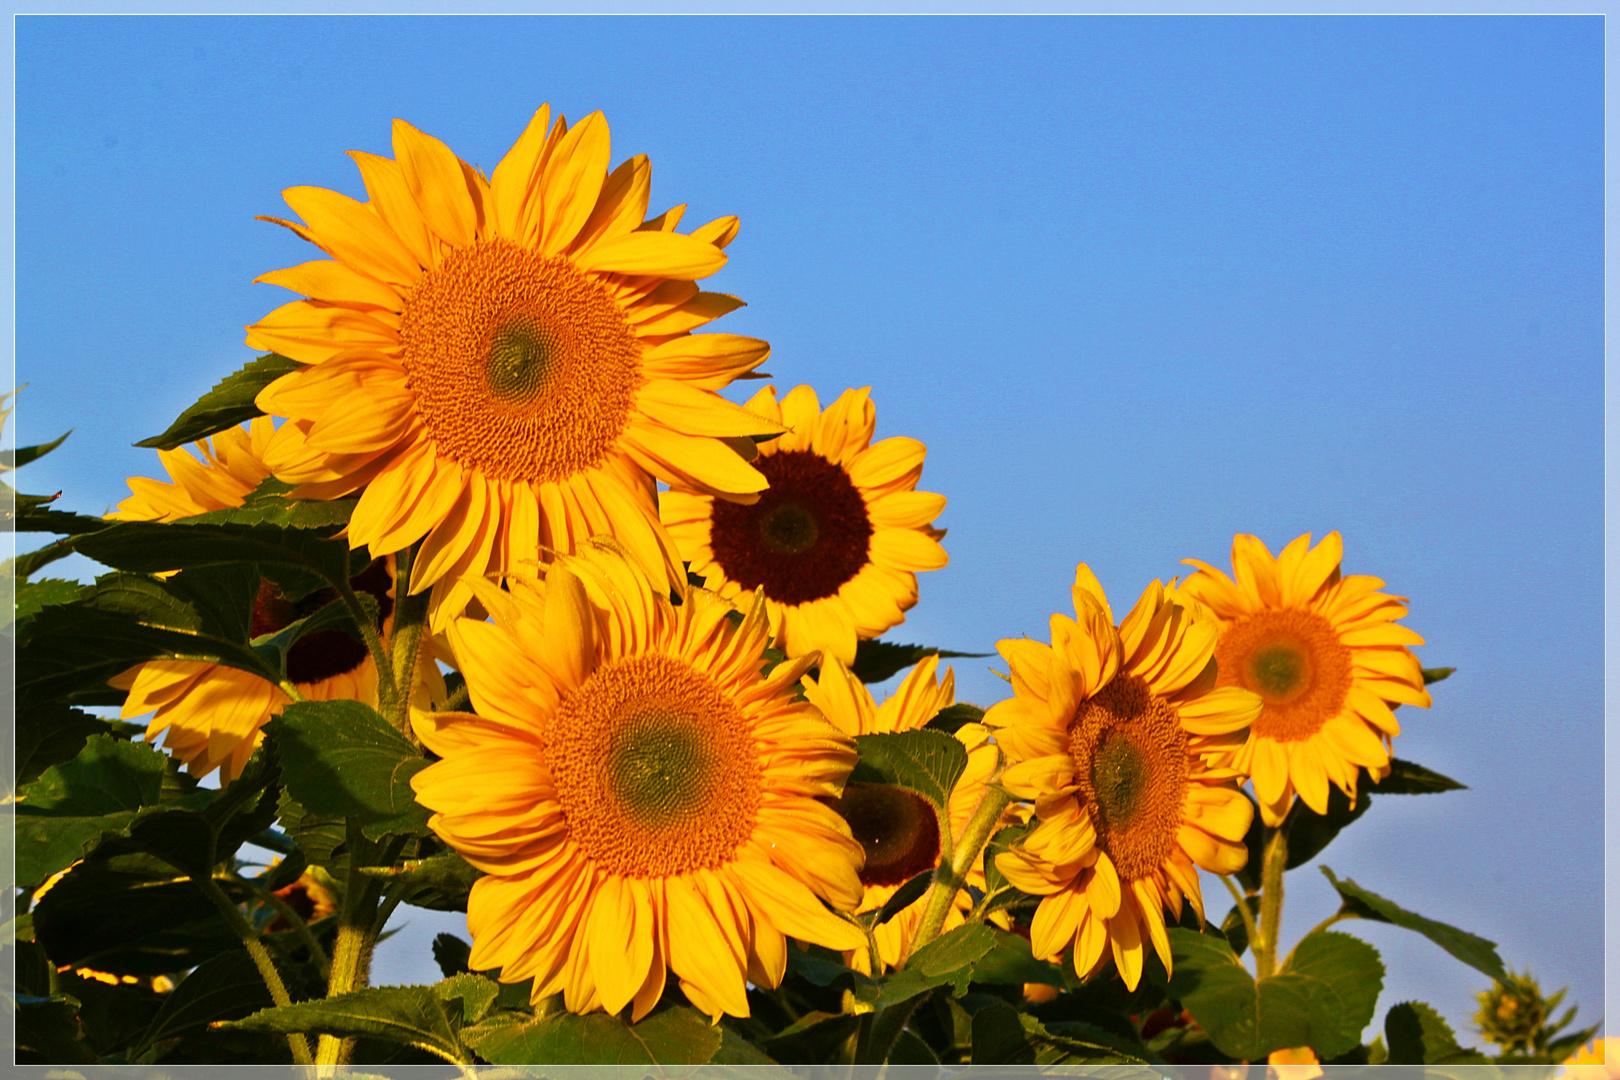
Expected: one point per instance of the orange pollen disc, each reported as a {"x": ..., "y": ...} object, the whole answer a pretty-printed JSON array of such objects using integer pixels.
[
  {"x": 522, "y": 366},
  {"x": 1295, "y": 662},
  {"x": 655, "y": 768},
  {"x": 1130, "y": 758}
]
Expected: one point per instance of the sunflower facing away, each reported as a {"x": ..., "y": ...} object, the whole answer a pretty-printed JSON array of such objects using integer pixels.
[
  {"x": 838, "y": 539},
  {"x": 639, "y": 795},
  {"x": 1324, "y": 653},
  {"x": 899, "y": 830},
  {"x": 1117, "y": 736},
  {"x": 210, "y": 715},
  {"x": 505, "y": 365}
]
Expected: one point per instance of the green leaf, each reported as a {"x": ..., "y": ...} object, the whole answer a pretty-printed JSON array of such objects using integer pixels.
[
  {"x": 32, "y": 562},
  {"x": 909, "y": 1049},
  {"x": 321, "y": 837},
  {"x": 736, "y": 1050},
  {"x": 476, "y": 994},
  {"x": 410, "y": 1015},
  {"x": 268, "y": 504},
  {"x": 226, "y": 987},
  {"x": 134, "y": 922},
  {"x": 440, "y": 882},
  {"x": 1471, "y": 949},
  {"x": 879, "y": 660},
  {"x": 16, "y": 459},
  {"x": 948, "y": 959},
  {"x": 1436, "y": 674},
  {"x": 151, "y": 547},
  {"x": 34, "y": 595},
  {"x": 679, "y": 1035},
  {"x": 1406, "y": 778},
  {"x": 816, "y": 1038},
  {"x": 65, "y": 813},
  {"x": 1010, "y": 962},
  {"x": 999, "y": 1037},
  {"x": 229, "y": 403},
  {"x": 1235, "y": 929},
  {"x": 451, "y": 954},
  {"x": 1417, "y": 1035},
  {"x": 903, "y": 897},
  {"x": 49, "y": 733},
  {"x": 925, "y": 762},
  {"x": 342, "y": 758},
  {"x": 32, "y": 513},
  {"x": 1310, "y": 832},
  {"x": 1323, "y": 997},
  {"x": 954, "y": 717},
  {"x": 48, "y": 1032}
]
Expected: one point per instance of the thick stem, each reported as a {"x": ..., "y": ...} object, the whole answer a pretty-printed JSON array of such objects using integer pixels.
[
  {"x": 1271, "y": 901},
  {"x": 1242, "y": 903},
  {"x": 951, "y": 873},
  {"x": 351, "y": 952},
  {"x": 261, "y": 956},
  {"x": 410, "y": 619}
]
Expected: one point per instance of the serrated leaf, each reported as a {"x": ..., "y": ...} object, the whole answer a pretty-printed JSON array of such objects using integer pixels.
[
  {"x": 1437, "y": 674},
  {"x": 879, "y": 660},
  {"x": 229, "y": 403},
  {"x": 904, "y": 897},
  {"x": 1309, "y": 832},
  {"x": 1407, "y": 778},
  {"x": 999, "y": 1037},
  {"x": 816, "y": 1038},
  {"x": 226, "y": 987},
  {"x": 129, "y": 922},
  {"x": 925, "y": 762},
  {"x": 1417, "y": 1035},
  {"x": 736, "y": 1050},
  {"x": 280, "y": 512},
  {"x": 409, "y": 1015},
  {"x": 1471, "y": 949},
  {"x": 151, "y": 547},
  {"x": 16, "y": 459},
  {"x": 451, "y": 954},
  {"x": 952, "y": 718},
  {"x": 64, "y": 814},
  {"x": 679, "y": 1035},
  {"x": 49, "y": 733},
  {"x": 947, "y": 960},
  {"x": 476, "y": 994},
  {"x": 33, "y": 595},
  {"x": 48, "y": 1032},
  {"x": 321, "y": 837},
  {"x": 1010, "y": 962},
  {"x": 342, "y": 758},
  {"x": 439, "y": 882},
  {"x": 1322, "y": 998}
]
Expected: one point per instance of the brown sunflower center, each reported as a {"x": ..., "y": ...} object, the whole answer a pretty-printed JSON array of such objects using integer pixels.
[
  {"x": 656, "y": 768},
  {"x": 1295, "y": 662},
  {"x": 324, "y": 653},
  {"x": 807, "y": 536},
  {"x": 1130, "y": 756},
  {"x": 522, "y": 366},
  {"x": 897, "y": 829}
]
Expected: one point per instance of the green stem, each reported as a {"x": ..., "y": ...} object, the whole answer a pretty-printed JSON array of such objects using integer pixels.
[
  {"x": 1323, "y": 925},
  {"x": 351, "y": 952},
  {"x": 261, "y": 956},
  {"x": 387, "y": 686},
  {"x": 291, "y": 690},
  {"x": 1242, "y": 903},
  {"x": 300, "y": 927},
  {"x": 952, "y": 872},
  {"x": 1274, "y": 862},
  {"x": 458, "y": 700},
  {"x": 410, "y": 618}
]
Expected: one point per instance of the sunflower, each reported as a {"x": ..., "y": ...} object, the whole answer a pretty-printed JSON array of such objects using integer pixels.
[
  {"x": 638, "y": 794},
  {"x": 1324, "y": 653},
  {"x": 1117, "y": 737},
  {"x": 504, "y": 366},
  {"x": 837, "y": 540},
  {"x": 898, "y": 830},
  {"x": 1597, "y": 1060},
  {"x": 210, "y": 715}
]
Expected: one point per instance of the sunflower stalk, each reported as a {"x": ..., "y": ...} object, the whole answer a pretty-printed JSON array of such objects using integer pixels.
[
  {"x": 952, "y": 872},
  {"x": 358, "y": 929},
  {"x": 1274, "y": 861},
  {"x": 296, "y": 921},
  {"x": 410, "y": 619},
  {"x": 1242, "y": 904},
  {"x": 261, "y": 956},
  {"x": 387, "y": 687}
]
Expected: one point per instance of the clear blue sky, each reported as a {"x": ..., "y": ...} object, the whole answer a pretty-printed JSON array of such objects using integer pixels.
[{"x": 1138, "y": 283}]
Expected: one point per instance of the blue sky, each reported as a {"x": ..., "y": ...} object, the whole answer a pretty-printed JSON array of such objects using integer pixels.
[{"x": 1139, "y": 283}]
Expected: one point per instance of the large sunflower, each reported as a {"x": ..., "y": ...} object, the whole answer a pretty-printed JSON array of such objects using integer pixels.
[
  {"x": 836, "y": 542},
  {"x": 1116, "y": 736},
  {"x": 638, "y": 794},
  {"x": 505, "y": 365},
  {"x": 898, "y": 830},
  {"x": 1324, "y": 653},
  {"x": 210, "y": 715}
]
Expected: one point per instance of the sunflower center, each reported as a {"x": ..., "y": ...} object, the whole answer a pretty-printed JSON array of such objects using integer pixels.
[
  {"x": 325, "y": 653},
  {"x": 806, "y": 537},
  {"x": 656, "y": 769},
  {"x": 898, "y": 831},
  {"x": 1295, "y": 662},
  {"x": 1130, "y": 756},
  {"x": 522, "y": 366}
]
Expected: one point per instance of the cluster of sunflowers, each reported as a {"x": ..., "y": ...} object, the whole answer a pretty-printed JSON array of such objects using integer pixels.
[{"x": 494, "y": 604}]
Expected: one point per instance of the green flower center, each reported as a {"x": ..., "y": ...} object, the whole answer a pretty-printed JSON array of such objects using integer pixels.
[
  {"x": 789, "y": 529},
  {"x": 522, "y": 358},
  {"x": 658, "y": 767},
  {"x": 1281, "y": 671},
  {"x": 1119, "y": 775}
]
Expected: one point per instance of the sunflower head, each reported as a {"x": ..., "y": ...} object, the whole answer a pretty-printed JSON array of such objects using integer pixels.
[
  {"x": 1326, "y": 656},
  {"x": 505, "y": 366},
  {"x": 232, "y": 466},
  {"x": 632, "y": 774},
  {"x": 836, "y": 541},
  {"x": 1513, "y": 1014},
  {"x": 1117, "y": 734}
]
